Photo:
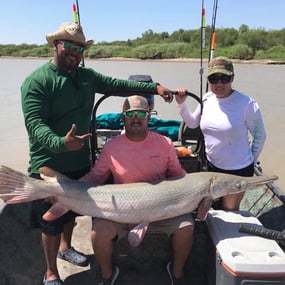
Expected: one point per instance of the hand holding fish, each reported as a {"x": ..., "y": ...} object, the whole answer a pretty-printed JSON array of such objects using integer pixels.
[{"x": 74, "y": 142}]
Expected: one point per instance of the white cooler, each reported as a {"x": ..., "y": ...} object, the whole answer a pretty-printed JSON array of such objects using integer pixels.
[{"x": 241, "y": 258}]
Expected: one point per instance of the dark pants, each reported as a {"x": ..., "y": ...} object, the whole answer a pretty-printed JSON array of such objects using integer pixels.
[
  {"x": 245, "y": 172},
  {"x": 39, "y": 208}
]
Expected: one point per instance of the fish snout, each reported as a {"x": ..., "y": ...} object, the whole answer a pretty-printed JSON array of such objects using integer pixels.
[
  {"x": 261, "y": 180},
  {"x": 226, "y": 184}
]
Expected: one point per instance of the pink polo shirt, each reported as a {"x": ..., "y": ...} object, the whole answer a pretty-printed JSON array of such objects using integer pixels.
[{"x": 129, "y": 161}]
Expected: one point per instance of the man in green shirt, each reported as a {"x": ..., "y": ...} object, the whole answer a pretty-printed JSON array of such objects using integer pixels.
[{"x": 57, "y": 102}]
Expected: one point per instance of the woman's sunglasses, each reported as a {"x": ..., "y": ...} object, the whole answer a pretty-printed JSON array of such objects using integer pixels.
[
  {"x": 214, "y": 79},
  {"x": 139, "y": 114},
  {"x": 72, "y": 46}
]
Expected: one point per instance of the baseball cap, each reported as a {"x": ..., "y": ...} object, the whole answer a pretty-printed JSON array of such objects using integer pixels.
[
  {"x": 135, "y": 102},
  {"x": 222, "y": 65}
]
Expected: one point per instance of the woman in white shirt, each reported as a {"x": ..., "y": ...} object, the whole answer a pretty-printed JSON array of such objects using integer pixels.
[{"x": 227, "y": 120}]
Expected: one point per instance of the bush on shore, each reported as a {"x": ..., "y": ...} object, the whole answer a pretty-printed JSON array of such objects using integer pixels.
[{"x": 244, "y": 44}]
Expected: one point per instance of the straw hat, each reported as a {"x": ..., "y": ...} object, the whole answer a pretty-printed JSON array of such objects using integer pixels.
[{"x": 69, "y": 32}]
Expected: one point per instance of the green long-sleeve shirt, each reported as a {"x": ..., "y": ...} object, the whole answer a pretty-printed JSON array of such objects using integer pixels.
[{"x": 52, "y": 100}]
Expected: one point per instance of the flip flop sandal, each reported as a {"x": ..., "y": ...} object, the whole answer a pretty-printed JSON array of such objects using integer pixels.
[{"x": 52, "y": 282}]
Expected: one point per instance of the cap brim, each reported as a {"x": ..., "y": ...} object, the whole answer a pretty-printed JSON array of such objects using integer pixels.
[
  {"x": 220, "y": 70},
  {"x": 137, "y": 109}
]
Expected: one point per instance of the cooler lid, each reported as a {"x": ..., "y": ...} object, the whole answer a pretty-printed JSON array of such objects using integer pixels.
[{"x": 241, "y": 252}]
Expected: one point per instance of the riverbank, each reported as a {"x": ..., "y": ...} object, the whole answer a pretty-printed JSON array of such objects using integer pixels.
[
  {"x": 186, "y": 60},
  {"x": 194, "y": 60}
]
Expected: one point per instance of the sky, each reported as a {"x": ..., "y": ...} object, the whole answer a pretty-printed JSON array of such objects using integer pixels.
[{"x": 28, "y": 21}]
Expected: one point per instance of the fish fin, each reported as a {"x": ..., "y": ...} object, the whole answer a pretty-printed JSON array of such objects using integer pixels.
[
  {"x": 136, "y": 234},
  {"x": 56, "y": 211},
  {"x": 16, "y": 187},
  {"x": 204, "y": 208}
]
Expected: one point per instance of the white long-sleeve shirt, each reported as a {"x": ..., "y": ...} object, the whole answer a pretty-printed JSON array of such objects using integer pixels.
[{"x": 233, "y": 129}]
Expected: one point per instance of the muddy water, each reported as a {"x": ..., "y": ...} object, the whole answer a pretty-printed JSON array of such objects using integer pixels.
[{"x": 263, "y": 82}]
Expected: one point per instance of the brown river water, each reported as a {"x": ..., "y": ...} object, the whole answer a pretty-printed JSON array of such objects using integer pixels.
[{"x": 263, "y": 82}]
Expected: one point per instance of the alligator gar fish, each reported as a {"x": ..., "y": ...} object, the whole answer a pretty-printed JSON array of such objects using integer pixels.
[{"x": 131, "y": 203}]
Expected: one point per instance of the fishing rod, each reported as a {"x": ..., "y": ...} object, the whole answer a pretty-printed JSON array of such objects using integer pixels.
[
  {"x": 202, "y": 46},
  {"x": 75, "y": 14},
  {"x": 213, "y": 31},
  {"x": 213, "y": 35},
  {"x": 76, "y": 18},
  {"x": 201, "y": 147},
  {"x": 259, "y": 230}
]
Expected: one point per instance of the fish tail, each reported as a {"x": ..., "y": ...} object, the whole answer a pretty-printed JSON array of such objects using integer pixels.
[{"x": 16, "y": 187}]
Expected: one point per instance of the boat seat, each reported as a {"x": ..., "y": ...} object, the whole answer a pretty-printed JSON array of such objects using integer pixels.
[{"x": 188, "y": 136}]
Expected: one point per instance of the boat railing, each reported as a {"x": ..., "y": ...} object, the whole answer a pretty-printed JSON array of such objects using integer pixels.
[
  {"x": 94, "y": 130},
  {"x": 271, "y": 185}
]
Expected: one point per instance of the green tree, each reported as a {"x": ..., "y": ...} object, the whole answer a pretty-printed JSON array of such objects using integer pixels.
[
  {"x": 243, "y": 29},
  {"x": 255, "y": 39},
  {"x": 227, "y": 37},
  {"x": 243, "y": 43}
]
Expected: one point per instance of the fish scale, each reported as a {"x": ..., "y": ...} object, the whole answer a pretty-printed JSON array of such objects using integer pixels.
[{"x": 125, "y": 203}]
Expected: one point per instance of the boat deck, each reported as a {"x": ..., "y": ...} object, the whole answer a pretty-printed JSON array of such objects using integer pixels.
[
  {"x": 22, "y": 254},
  {"x": 146, "y": 264}
]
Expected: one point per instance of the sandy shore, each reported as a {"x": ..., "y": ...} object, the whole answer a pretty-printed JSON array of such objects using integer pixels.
[
  {"x": 195, "y": 60},
  {"x": 181, "y": 59}
]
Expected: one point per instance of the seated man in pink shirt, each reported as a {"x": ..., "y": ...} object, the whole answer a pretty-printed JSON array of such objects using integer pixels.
[{"x": 139, "y": 155}]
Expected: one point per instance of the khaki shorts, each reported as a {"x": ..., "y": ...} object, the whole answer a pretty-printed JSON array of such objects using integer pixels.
[{"x": 167, "y": 226}]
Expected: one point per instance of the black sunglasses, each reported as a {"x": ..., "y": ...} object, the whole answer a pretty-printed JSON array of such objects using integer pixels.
[{"x": 214, "y": 79}]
